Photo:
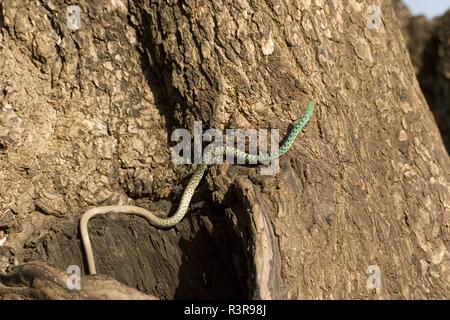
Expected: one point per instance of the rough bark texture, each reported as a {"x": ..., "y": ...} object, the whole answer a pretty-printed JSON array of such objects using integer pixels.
[
  {"x": 87, "y": 117},
  {"x": 37, "y": 280}
]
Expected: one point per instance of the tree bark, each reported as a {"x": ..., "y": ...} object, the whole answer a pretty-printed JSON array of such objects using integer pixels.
[{"x": 86, "y": 119}]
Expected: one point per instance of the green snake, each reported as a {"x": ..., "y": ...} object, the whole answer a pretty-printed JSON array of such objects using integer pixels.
[{"x": 190, "y": 189}]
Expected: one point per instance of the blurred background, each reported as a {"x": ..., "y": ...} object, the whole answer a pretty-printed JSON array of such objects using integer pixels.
[
  {"x": 429, "y": 8},
  {"x": 425, "y": 25}
]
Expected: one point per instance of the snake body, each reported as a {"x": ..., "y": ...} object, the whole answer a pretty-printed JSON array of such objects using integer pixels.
[{"x": 164, "y": 223}]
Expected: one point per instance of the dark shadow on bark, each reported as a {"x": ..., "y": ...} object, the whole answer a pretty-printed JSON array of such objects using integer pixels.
[
  {"x": 154, "y": 69},
  {"x": 2, "y": 18},
  {"x": 211, "y": 267}
]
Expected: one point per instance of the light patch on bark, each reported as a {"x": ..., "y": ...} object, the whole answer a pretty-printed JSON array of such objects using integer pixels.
[{"x": 268, "y": 46}]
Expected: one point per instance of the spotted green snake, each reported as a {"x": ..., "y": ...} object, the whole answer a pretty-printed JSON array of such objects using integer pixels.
[{"x": 190, "y": 188}]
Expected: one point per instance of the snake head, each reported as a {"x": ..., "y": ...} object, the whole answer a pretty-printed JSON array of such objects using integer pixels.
[{"x": 310, "y": 108}]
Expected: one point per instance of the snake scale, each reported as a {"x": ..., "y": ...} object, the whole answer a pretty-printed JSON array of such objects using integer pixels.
[{"x": 190, "y": 188}]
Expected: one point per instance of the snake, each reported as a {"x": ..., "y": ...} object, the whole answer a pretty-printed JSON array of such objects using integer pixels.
[{"x": 165, "y": 223}]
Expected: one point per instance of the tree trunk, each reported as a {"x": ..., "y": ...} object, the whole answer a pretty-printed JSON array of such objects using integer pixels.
[{"x": 359, "y": 208}]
